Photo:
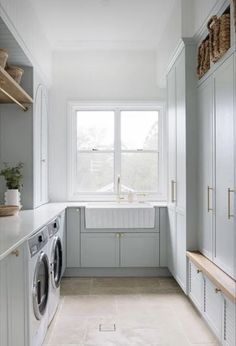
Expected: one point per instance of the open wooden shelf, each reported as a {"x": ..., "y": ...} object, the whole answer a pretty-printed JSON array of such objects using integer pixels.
[
  {"x": 219, "y": 278},
  {"x": 14, "y": 89}
]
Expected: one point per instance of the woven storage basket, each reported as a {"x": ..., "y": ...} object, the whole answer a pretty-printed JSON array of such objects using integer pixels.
[
  {"x": 219, "y": 36},
  {"x": 8, "y": 210},
  {"x": 15, "y": 72},
  {"x": 203, "y": 58},
  {"x": 3, "y": 57}
]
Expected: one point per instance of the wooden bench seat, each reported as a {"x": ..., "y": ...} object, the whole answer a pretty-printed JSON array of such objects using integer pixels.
[{"x": 221, "y": 280}]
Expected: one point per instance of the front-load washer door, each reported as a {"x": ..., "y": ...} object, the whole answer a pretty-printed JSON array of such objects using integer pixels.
[
  {"x": 56, "y": 262},
  {"x": 41, "y": 286}
]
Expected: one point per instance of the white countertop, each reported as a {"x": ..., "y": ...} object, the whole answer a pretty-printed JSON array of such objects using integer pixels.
[{"x": 15, "y": 230}]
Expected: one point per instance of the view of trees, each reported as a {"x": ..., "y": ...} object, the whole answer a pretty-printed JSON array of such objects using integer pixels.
[{"x": 95, "y": 168}]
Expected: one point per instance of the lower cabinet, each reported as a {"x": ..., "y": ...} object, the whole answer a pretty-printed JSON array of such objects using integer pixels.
[
  {"x": 73, "y": 237},
  {"x": 139, "y": 250},
  {"x": 12, "y": 299},
  {"x": 196, "y": 288},
  {"x": 3, "y": 303},
  {"x": 229, "y": 323},
  {"x": 106, "y": 250},
  {"x": 99, "y": 250},
  {"x": 215, "y": 307}
]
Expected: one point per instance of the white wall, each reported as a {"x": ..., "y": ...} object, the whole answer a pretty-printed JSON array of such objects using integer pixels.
[
  {"x": 22, "y": 21},
  {"x": 202, "y": 9},
  {"x": 93, "y": 75},
  {"x": 170, "y": 38}
]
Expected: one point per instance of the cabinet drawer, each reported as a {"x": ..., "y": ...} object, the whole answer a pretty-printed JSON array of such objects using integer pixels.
[
  {"x": 213, "y": 307},
  {"x": 139, "y": 250},
  {"x": 196, "y": 286},
  {"x": 99, "y": 250}
]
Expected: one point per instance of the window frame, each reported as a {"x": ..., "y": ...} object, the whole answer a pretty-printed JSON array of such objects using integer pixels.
[{"x": 73, "y": 107}]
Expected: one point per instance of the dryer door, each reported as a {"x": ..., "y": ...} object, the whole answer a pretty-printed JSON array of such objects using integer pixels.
[
  {"x": 41, "y": 286},
  {"x": 56, "y": 262}
]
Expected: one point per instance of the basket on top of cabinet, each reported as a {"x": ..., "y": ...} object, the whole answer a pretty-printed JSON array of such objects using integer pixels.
[{"x": 216, "y": 44}]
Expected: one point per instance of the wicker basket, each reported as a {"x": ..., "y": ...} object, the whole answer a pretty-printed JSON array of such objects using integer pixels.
[
  {"x": 3, "y": 57},
  {"x": 15, "y": 72},
  {"x": 8, "y": 210},
  {"x": 219, "y": 36},
  {"x": 203, "y": 58}
]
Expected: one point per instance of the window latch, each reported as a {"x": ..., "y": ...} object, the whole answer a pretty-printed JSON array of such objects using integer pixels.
[{"x": 94, "y": 149}]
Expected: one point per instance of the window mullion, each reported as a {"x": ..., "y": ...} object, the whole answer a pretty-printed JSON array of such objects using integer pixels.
[{"x": 117, "y": 152}]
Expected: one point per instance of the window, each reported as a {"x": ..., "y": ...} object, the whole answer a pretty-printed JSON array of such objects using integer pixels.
[{"x": 107, "y": 142}]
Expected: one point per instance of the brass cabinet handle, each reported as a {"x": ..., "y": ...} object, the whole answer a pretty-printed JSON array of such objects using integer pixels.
[
  {"x": 199, "y": 271},
  {"x": 229, "y": 203},
  {"x": 173, "y": 183},
  {"x": 208, "y": 198},
  {"x": 15, "y": 253},
  {"x": 217, "y": 290}
]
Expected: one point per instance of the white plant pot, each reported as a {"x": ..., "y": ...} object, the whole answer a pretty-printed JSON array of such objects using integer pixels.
[{"x": 12, "y": 197}]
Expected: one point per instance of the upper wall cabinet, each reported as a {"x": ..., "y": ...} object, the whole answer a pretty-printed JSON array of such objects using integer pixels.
[
  {"x": 216, "y": 167},
  {"x": 40, "y": 145},
  {"x": 181, "y": 95}
]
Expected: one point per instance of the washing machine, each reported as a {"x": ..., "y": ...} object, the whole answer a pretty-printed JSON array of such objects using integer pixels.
[
  {"x": 56, "y": 261},
  {"x": 38, "y": 287}
]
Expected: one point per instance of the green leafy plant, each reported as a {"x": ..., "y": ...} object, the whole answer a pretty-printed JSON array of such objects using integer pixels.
[{"x": 13, "y": 175}]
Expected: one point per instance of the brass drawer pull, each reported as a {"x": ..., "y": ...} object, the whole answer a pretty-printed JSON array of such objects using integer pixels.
[
  {"x": 16, "y": 253},
  {"x": 173, "y": 183},
  {"x": 208, "y": 199},
  {"x": 229, "y": 203}
]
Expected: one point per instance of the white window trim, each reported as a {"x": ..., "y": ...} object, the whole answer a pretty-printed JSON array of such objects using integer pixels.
[{"x": 73, "y": 107}]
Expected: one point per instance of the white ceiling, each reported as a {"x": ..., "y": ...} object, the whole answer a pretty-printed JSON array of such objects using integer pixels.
[{"x": 103, "y": 24}]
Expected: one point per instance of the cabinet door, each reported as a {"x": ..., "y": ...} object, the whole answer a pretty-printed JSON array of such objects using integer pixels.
[
  {"x": 229, "y": 323},
  {"x": 171, "y": 94},
  {"x": 181, "y": 260},
  {"x": 99, "y": 250},
  {"x": 196, "y": 286},
  {"x": 16, "y": 281},
  {"x": 41, "y": 146},
  {"x": 225, "y": 184},
  {"x": 180, "y": 133},
  {"x": 73, "y": 237},
  {"x": 62, "y": 232},
  {"x": 213, "y": 307},
  {"x": 139, "y": 250},
  {"x": 3, "y": 304},
  {"x": 172, "y": 241},
  {"x": 205, "y": 167}
]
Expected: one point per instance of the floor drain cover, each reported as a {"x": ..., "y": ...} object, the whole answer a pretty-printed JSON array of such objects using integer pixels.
[{"x": 107, "y": 327}]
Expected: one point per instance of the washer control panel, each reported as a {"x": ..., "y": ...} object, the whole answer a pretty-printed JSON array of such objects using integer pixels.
[{"x": 38, "y": 241}]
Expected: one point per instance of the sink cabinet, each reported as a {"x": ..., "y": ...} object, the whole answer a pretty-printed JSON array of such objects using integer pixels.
[
  {"x": 112, "y": 248},
  {"x": 99, "y": 250},
  {"x": 139, "y": 250}
]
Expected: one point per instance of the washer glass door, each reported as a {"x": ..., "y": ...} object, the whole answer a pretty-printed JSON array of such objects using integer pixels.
[
  {"x": 56, "y": 264},
  {"x": 41, "y": 286}
]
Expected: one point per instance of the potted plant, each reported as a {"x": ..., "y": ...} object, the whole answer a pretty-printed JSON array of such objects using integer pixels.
[{"x": 13, "y": 176}]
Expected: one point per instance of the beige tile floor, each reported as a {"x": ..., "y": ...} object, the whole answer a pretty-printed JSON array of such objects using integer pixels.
[{"x": 145, "y": 311}]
